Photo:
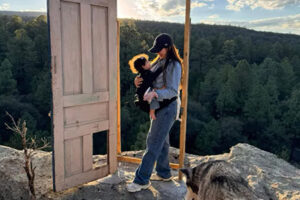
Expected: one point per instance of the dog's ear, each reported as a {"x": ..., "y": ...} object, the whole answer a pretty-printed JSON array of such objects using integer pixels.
[{"x": 187, "y": 172}]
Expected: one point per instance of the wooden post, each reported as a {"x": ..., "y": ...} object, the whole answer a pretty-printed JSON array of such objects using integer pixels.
[
  {"x": 119, "y": 92},
  {"x": 184, "y": 97},
  {"x": 184, "y": 86}
]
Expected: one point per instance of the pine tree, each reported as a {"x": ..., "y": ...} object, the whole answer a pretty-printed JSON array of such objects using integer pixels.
[
  {"x": 229, "y": 52},
  {"x": 3, "y": 39},
  {"x": 295, "y": 61},
  {"x": 267, "y": 68},
  {"x": 23, "y": 56},
  {"x": 15, "y": 22},
  {"x": 7, "y": 82},
  {"x": 244, "y": 45},
  {"x": 209, "y": 90},
  {"x": 285, "y": 79},
  {"x": 226, "y": 101},
  {"x": 240, "y": 83},
  {"x": 292, "y": 120},
  {"x": 208, "y": 140},
  {"x": 257, "y": 112},
  {"x": 200, "y": 56},
  {"x": 231, "y": 133},
  {"x": 272, "y": 90},
  {"x": 140, "y": 142}
]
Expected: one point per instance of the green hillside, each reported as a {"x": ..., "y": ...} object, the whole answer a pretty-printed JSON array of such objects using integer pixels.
[{"x": 244, "y": 85}]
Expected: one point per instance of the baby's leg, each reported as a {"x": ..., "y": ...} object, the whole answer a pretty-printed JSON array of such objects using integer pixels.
[{"x": 152, "y": 114}]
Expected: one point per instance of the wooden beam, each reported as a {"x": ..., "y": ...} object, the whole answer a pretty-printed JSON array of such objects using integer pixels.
[
  {"x": 183, "y": 104},
  {"x": 184, "y": 86},
  {"x": 138, "y": 161},
  {"x": 119, "y": 92}
]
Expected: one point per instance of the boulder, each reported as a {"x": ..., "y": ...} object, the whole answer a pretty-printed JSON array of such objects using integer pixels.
[{"x": 269, "y": 176}]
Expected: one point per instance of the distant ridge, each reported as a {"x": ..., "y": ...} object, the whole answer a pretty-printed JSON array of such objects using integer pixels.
[
  {"x": 149, "y": 25},
  {"x": 23, "y": 13}
]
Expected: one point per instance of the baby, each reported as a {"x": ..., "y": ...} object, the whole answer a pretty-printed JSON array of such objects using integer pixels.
[{"x": 140, "y": 64}]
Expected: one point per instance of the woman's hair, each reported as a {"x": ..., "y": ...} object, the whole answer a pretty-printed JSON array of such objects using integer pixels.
[
  {"x": 137, "y": 62},
  {"x": 173, "y": 54}
]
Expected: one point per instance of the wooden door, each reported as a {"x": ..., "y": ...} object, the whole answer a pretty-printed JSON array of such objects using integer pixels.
[{"x": 83, "y": 37}]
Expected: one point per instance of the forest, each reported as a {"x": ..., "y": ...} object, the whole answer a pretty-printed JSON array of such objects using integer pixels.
[{"x": 244, "y": 85}]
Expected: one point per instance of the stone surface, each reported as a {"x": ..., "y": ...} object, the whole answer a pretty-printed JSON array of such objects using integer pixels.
[
  {"x": 13, "y": 179},
  {"x": 270, "y": 176}
]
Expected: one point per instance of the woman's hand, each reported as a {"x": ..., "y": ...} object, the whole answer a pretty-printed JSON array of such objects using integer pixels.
[
  {"x": 138, "y": 81},
  {"x": 148, "y": 97}
]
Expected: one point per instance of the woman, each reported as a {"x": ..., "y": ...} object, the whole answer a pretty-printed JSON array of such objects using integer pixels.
[{"x": 166, "y": 103}]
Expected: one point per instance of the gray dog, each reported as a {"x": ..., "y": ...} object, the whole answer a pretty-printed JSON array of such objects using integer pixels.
[{"x": 216, "y": 180}]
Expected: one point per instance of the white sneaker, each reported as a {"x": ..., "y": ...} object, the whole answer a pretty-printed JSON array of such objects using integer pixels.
[
  {"x": 155, "y": 177},
  {"x": 134, "y": 187}
]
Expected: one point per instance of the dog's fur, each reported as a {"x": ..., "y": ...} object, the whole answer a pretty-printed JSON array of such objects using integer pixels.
[{"x": 216, "y": 180}]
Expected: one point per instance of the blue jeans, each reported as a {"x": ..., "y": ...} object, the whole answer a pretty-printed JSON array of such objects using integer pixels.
[{"x": 157, "y": 146}]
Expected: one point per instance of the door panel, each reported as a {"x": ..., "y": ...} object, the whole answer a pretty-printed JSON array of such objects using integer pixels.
[
  {"x": 83, "y": 37},
  {"x": 99, "y": 36}
]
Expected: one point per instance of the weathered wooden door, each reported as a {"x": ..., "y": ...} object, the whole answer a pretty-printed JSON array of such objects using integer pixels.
[{"x": 83, "y": 35}]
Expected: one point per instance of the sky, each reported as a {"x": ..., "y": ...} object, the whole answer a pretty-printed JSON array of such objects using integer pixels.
[{"x": 282, "y": 16}]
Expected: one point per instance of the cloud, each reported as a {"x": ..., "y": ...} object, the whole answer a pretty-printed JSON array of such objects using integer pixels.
[
  {"x": 34, "y": 10},
  {"x": 213, "y": 16},
  {"x": 163, "y": 8},
  {"x": 237, "y": 5},
  {"x": 4, "y": 6},
  {"x": 286, "y": 24}
]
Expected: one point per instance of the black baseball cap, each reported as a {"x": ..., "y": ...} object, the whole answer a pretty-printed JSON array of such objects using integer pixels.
[{"x": 163, "y": 40}]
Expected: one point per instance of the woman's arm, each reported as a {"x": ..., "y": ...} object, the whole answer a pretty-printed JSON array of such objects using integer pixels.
[{"x": 173, "y": 76}]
